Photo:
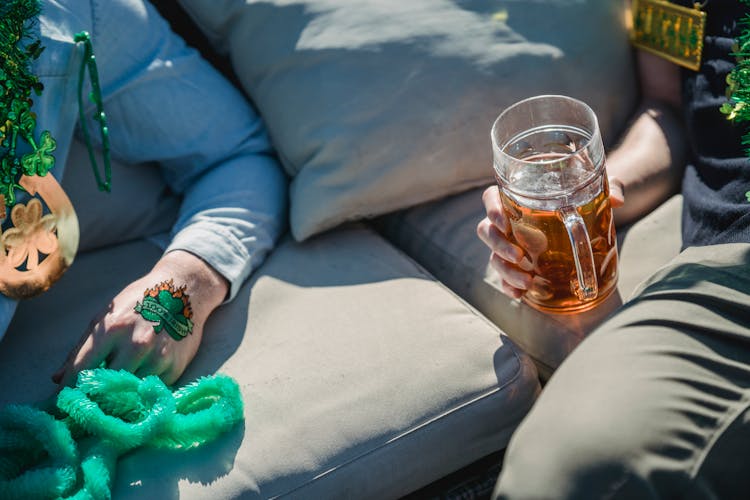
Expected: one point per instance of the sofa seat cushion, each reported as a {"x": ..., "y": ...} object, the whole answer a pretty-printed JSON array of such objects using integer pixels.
[
  {"x": 362, "y": 376},
  {"x": 442, "y": 237}
]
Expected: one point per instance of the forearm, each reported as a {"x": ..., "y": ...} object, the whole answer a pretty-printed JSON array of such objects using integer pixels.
[
  {"x": 172, "y": 108},
  {"x": 233, "y": 215},
  {"x": 649, "y": 160},
  {"x": 651, "y": 156}
]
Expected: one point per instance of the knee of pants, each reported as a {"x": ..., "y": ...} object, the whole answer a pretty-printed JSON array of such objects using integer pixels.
[
  {"x": 575, "y": 454},
  {"x": 535, "y": 469}
]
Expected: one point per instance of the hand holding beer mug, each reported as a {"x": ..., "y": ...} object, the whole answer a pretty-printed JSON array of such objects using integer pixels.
[{"x": 557, "y": 218}]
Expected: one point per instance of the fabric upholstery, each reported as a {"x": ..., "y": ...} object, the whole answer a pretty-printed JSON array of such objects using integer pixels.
[
  {"x": 362, "y": 376},
  {"x": 442, "y": 236},
  {"x": 376, "y": 106}
]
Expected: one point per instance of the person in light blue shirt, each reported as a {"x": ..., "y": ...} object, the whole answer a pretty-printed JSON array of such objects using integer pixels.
[{"x": 167, "y": 105}]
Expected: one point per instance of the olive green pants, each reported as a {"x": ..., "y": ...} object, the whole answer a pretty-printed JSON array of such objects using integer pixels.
[{"x": 654, "y": 403}]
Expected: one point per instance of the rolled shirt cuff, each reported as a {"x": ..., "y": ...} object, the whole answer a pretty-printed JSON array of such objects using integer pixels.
[{"x": 222, "y": 250}]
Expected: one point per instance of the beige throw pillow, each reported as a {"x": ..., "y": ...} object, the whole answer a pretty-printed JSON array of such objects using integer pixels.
[{"x": 382, "y": 104}]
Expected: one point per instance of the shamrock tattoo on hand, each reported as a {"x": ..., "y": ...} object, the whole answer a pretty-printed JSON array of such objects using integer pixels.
[{"x": 169, "y": 308}]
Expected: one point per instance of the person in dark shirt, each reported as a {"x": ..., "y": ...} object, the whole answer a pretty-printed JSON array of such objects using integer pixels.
[{"x": 655, "y": 402}]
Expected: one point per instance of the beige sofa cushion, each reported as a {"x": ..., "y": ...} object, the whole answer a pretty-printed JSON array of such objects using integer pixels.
[
  {"x": 362, "y": 376},
  {"x": 442, "y": 237},
  {"x": 380, "y": 105}
]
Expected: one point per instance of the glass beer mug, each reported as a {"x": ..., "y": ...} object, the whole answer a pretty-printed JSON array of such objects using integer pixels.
[{"x": 549, "y": 163}]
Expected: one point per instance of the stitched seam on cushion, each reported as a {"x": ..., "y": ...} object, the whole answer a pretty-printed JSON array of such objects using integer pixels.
[
  {"x": 427, "y": 274},
  {"x": 424, "y": 270},
  {"x": 425, "y": 241},
  {"x": 431, "y": 243},
  {"x": 464, "y": 302},
  {"x": 408, "y": 432},
  {"x": 332, "y": 221},
  {"x": 445, "y": 255},
  {"x": 475, "y": 312},
  {"x": 466, "y": 404},
  {"x": 477, "y": 399}
]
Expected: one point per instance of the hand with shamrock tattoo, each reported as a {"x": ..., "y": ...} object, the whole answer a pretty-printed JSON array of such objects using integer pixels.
[{"x": 154, "y": 326}]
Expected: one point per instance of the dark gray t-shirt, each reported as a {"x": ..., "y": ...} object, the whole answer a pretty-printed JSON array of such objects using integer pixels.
[{"x": 716, "y": 209}]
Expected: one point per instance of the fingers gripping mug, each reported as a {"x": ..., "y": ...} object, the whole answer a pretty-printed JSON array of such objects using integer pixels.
[{"x": 549, "y": 163}]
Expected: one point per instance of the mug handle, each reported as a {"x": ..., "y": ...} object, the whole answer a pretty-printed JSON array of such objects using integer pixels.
[{"x": 588, "y": 287}]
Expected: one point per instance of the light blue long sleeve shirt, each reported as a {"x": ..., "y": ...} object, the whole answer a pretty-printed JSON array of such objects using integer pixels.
[{"x": 165, "y": 104}]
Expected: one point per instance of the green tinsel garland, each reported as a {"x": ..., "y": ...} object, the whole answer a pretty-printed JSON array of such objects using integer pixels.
[
  {"x": 737, "y": 109},
  {"x": 18, "y": 49},
  {"x": 738, "y": 80},
  {"x": 107, "y": 414}
]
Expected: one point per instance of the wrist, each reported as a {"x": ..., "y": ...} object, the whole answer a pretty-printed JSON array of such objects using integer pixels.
[{"x": 206, "y": 287}]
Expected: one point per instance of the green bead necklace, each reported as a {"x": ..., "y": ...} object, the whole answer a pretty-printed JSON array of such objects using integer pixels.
[{"x": 89, "y": 62}]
